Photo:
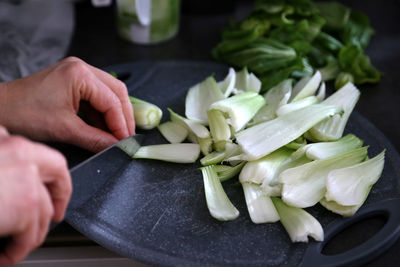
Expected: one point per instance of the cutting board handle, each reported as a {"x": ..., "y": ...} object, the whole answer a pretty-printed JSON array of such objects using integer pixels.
[{"x": 368, "y": 250}]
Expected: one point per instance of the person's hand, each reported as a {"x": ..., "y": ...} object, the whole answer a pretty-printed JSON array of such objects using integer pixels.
[
  {"x": 44, "y": 106},
  {"x": 35, "y": 188}
]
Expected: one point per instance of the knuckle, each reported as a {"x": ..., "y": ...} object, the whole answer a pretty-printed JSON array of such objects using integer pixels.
[
  {"x": 72, "y": 59},
  {"x": 3, "y": 131},
  {"x": 121, "y": 86},
  {"x": 75, "y": 68}
]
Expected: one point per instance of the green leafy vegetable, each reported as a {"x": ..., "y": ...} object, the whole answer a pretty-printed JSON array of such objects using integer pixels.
[{"x": 290, "y": 39}]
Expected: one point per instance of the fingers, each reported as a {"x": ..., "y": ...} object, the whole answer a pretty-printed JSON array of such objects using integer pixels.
[
  {"x": 51, "y": 164},
  {"x": 107, "y": 102},
  {"x": 106, "y": 94},
  {"x": 29, "y": 210},
  {"x": 3, "y": 132},
  {"x": 54, "y": 173},
  {"x": 88, "y": 137},
  {"x": 119, "y": 88}
]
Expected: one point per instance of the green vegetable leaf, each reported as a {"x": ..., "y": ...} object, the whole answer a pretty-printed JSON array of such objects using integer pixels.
[{"x": 353, "y": 60}]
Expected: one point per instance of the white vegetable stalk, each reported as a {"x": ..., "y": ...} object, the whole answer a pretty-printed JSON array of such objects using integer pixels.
[
  {"x": 304, "y": 186},
  {"x": 288, "y": 164},
  {"x": 194, "y": 127},
  {"x": 233, "y": 154},
  {"x": 298, "y": 223},
  {"x": 304, "y": 102},
  {"x": 261, "y": 139},
  {"x": 260, "y": 207},
  {"x": 345, "y": 211},
  {"x": 264, "y": 169},
  {"x": 274, "y": 98},
  {"x": 298, "y": 143},
  {"x": 200, "y": 97},
  {"x": 173, "y": 132},
  {"x": 228, "y": 84},
  {"x": 178, "y": 153},
  {"x": 350, "y": 186},
  {"x": 333, "y": 128},
  {"x": 321, "y": 92},
  {"x": 219, "y": 128},
  {"x": 205, "y": 145},
  {"x": 246, "y": 81},
  {"x": 213, "y": 158},
  {"x": 240, "y": 108},
  {"x": 218, "y": 203},
  {"x": 323, "y": 150},
  {"x": 227, "y": 172},
  {"x": 307, "y": 86},
  {"x": 147, "y": 115}
]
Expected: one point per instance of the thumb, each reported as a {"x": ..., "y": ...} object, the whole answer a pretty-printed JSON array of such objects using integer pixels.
[{"x": 88, "y": 137}]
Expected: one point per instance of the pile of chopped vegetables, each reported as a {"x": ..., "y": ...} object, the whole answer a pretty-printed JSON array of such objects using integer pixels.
[
  {"x": 291, "y": 38},
  {"x": 285, "y": 146}
]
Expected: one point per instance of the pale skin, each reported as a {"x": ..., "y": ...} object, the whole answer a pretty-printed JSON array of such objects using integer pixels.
[{"x": 35, "y": 185}]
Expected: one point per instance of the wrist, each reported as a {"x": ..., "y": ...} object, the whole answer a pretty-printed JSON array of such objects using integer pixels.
[
  {"x": 3, "y": 97},
  {"x": 5, "y": 103}
]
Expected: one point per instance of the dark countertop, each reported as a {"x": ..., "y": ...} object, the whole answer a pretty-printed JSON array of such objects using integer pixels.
[{"x": 96, "y": 41}]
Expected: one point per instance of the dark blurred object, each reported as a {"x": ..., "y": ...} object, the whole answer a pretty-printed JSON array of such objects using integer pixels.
[
  {"x": 33, "y": 35},
  {"x": 208, "y": 7}
]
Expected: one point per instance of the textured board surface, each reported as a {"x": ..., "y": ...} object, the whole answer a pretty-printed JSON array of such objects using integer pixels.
[{"x": 155, "y": 212}]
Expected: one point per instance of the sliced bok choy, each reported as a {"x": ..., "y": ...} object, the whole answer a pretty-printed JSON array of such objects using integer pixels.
[
  {"x": 274, "y": 98},
  {"x": 333, "y": 128},
  {"x": 173, "y": 132},
  {"x": 147, "y": 115},
  {"x": 228, "y": 84},
  {"x": 261, "y": 139},
  {"x": 227, "y": 172},
  {"x": 298, "y": 143},
  {"x": 304, "y": 186},
  {"x": 301, "y": 103},
  {"x": 350, "y": 186},
  {"x": 321, "y": 92},
  {"x": 218, "y": 203},
  {"x": 240, "y": 108},
  {"x": 259, "y": 205},
  {"x": 214, "y": 157},
  {"x": 200, "y": 97},
  {"x": 192, "y": 126},
  {"x": 298, "y": 223},
  {"x": 345, "y": 211},
  {"x": 323, "y": 150},
  {"x": 264, "y": 169},
  {"x": 178, "y": 153},
  {"x": 197, "y": 132},
  {"x": 219, "y": 128},
  {"x": 307, "y": 86},
  {"x": 246, "y": 81}
]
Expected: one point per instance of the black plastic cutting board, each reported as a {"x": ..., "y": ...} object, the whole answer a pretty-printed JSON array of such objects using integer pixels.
[{"x": 155, "y": 212}]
